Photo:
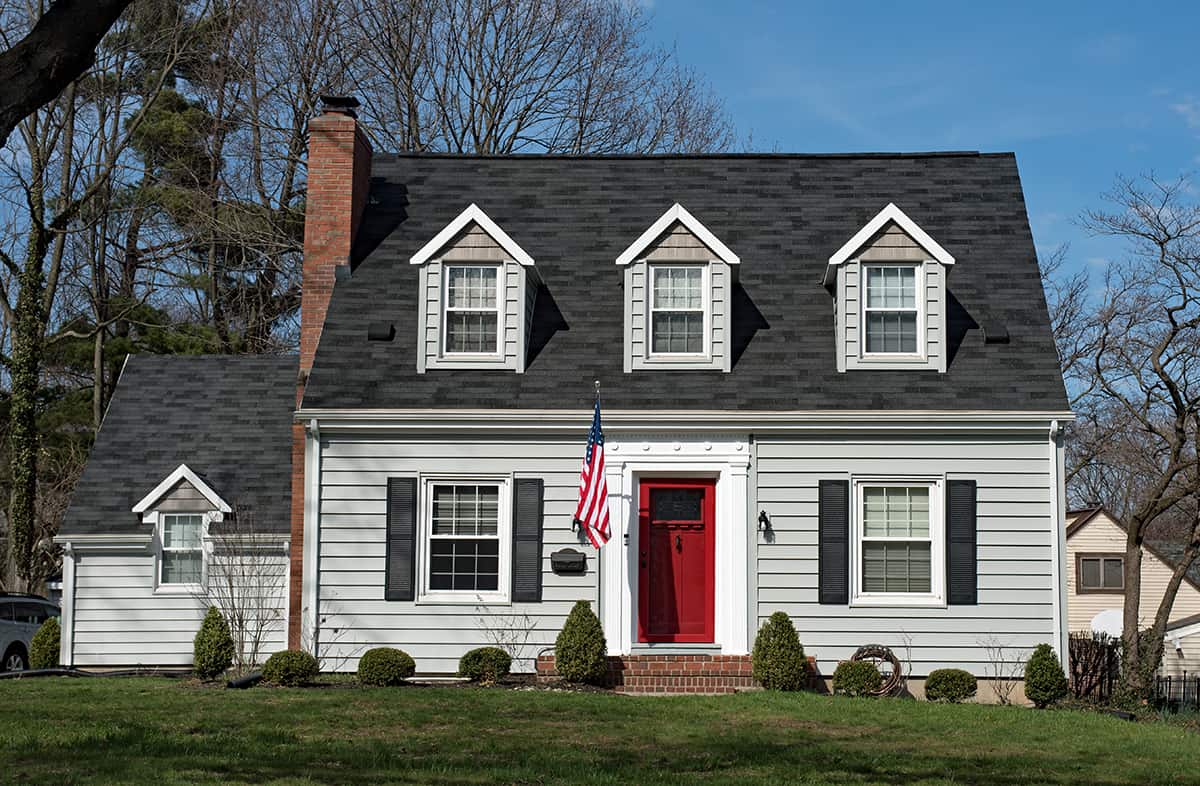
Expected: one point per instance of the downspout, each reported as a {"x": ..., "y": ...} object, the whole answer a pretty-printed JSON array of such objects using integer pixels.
[
  {"x": 1059, "y": 546},
  {"x": 310, "y": 577}
]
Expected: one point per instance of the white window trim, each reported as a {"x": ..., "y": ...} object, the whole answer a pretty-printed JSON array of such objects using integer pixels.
[
  {"x": 502, "y": 595},
  {"x": 162, "y": 588},
  {"x": 705, "y": 308},
  {"x": 936, "y": 597},
  {"x": 445, "y": 310},
  {"x": 921, "y": 300}
]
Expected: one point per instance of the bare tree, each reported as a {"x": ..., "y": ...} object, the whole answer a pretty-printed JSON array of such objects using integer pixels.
[
  {"x": 247, "y": 581},
  {"x": 57, "y": 50},
  {"x": 1140, "y": 397},
  {"x": 512, "y": 76}
]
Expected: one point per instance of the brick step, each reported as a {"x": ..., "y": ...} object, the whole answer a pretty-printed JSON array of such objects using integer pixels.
[{"x": 661, "y": 674}]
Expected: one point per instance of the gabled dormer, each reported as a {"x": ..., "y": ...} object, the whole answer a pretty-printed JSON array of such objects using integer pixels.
[
  {"x": 678, "y": 295},
  {"x": 889, "y": 281},
  {"x": 477, "y": 290}
]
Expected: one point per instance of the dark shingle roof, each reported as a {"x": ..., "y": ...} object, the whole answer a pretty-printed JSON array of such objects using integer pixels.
[
  {"x": 783, "y": 215},
  {"x": 228, "y": 418}
]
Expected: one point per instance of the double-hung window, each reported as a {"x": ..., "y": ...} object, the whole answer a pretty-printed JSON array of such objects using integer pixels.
[
  {"x": 899, "y": 549},
  {"x": 467, "y": 539},
  {"x": 472, "y": 311},
  {"x": 181, "y": 563},
  {"x": 1100, "y": 573},
  {"x": 677, "y": 310},
  {"x": 891, "y": 309}
]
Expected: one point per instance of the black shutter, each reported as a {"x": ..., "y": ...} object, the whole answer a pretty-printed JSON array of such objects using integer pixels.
[
  {"x": 833, "y": 550},
  {"x": 527, "y": 541},
  {"x": 400, "y": 570},
  {"x": 961, "y": 584}
]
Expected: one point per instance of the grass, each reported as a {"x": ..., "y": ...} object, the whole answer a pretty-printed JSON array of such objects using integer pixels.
[{"x": 168, "y": 732}]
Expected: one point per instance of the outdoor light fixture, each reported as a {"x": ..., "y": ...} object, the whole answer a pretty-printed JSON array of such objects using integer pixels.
[{"x": 764, "y": 521}]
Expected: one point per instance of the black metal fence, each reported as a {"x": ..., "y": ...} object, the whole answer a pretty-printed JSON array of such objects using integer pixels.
[
  {"x": 1178, "y": 692},
  {"x": 1095, "y": 665}
]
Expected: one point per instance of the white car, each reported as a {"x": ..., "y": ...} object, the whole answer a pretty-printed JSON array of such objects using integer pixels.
[{"x": 20, "y": 618}]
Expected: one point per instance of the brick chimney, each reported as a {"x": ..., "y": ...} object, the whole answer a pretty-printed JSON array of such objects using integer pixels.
[{"x": 339, "y": 172}]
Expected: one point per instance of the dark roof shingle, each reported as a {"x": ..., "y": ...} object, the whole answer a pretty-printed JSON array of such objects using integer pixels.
[
  {"x": 226, "y": 417},
  {"x": 783, "y": 215}
]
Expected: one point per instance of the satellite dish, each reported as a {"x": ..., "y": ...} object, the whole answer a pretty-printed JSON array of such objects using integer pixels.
[{"x": 1109, "y": 621}]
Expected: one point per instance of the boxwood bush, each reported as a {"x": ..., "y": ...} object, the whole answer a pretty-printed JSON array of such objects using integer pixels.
[
  {"x": 856, "y": 678},
  {"x": 385, "y": 666},
  {"x": 950, "y": 685},
  {"x": 778, "y": 657},
  {"x": 485, "y": 664},
  {"x": 1045, "y": 682},
  {"x": 43, "y": 648},
  {"x": 212, "y": 649},
  {"x": 290, "y": 668},
  {"x": 580, "y": 650}
]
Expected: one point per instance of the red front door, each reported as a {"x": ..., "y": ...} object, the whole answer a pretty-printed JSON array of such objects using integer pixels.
[{"x": 675, "y": 560}]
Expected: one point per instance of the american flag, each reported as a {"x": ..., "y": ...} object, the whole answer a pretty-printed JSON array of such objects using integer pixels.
[{"x": 592, "y": 511}]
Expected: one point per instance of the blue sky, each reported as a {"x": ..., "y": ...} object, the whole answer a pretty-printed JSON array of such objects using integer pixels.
[{"x": 1079, "y": 91}]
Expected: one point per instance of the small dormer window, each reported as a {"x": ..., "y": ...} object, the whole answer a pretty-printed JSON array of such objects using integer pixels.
[
  {"x": 477, "y": 292},
  {"x": 891, "y": 309},
  {"x": 677, "y": 310},
  {"x": 472, "y": 316},
  {"x": 678, "y": 280}
]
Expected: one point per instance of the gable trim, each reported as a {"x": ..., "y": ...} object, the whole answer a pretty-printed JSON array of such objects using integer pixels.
[
  {"x": 472, "y": 215},
  {"x": 889, "y": 214},
  {"x": 183, "y": 472},
  {"x": 677, "y": 213}
]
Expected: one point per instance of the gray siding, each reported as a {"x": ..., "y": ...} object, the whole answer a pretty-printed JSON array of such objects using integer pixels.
[
  {"x": 475, "y": 245},
  {"x": 355, "y": 617},
  {"x": 183, "y": 497},
  {"x": 1014, "y": 547},
  {"x": 677, "y": 245},
  {"x": 119, "y": 620},
  {"x": 891, "y": 245}
]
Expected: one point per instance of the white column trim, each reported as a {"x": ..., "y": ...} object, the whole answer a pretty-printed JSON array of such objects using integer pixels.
[
  {"x": 66, "y": 650},
  {"x": 310, "y": 578}
]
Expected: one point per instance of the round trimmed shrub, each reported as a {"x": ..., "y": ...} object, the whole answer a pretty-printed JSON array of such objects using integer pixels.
[
  {"x": 290, "y": 668},
  {"x": 857, "y": 678},
  {"x": 778, "y": 657},
  {"x": 1045, "y": 682},
  {"x": 212, "y": 649},
  {"x": 43, "y": 647},
  {"x": 950, "y": 685},
  {"x": 580, "y": 650},
  {"x": 385, "y": 666},
  {"x": 485, "y": 664}
]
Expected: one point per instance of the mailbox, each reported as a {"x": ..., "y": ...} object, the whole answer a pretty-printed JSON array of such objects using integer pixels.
[{"x": 568, "y": 561}]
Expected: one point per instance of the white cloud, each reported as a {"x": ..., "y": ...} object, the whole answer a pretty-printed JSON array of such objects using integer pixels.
[{"x": 1189, "y": 110}]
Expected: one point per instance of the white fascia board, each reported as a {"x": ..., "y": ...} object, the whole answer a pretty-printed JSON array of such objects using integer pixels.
[
  {"x": 559, "y": 421},
  {"x": 472, "y": 215},
  {"x": 104, "y": 540},
  {"x": 680, "y": 214},
  {"x": 183, "y": 472},
  {"x": 887, "y": 215}
]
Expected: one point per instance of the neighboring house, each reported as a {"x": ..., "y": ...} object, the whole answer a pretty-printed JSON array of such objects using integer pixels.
[
  {"x": 1096, "y": 586},
  {"x": 829, "y": 388}
]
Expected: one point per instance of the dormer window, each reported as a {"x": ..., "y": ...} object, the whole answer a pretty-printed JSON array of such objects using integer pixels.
[
  {"x": 891, "y": 311},
  {"x": 472, "y": 315},
  {"x": 678, "y": 284},
  {"x": 477, "y": 293},
  {"x": 889, "y": 285},
  {"x": 677, "y": 310}
]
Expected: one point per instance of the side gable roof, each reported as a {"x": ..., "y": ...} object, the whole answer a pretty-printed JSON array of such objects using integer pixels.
[
  {"x": 227, "y": 418},
  {"x": 472, "y": 215},
  {"x": 783, "y": 214},
  {"x": 677, "y": 214}
]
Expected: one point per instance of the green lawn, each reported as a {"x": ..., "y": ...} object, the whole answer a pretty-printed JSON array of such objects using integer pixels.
[{"x": 163, "y": 731}]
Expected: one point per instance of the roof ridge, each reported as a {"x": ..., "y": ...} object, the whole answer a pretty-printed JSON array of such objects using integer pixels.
[{"x": 692, "y": 156}]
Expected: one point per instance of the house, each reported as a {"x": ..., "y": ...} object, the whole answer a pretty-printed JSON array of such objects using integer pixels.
[
  {"x": 1096, "y": 586},
  {"x": 829, "y": 387}
]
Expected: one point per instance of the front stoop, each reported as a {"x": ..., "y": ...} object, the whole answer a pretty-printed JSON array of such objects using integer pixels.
[{"x": 663, "y": 674}]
